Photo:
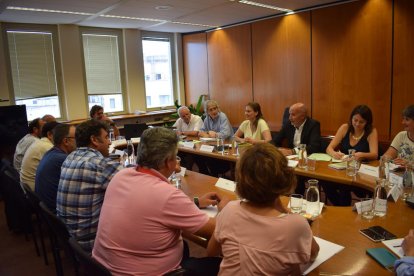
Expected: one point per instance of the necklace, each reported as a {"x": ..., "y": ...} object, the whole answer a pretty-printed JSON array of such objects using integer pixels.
[{"x": 359, "y": 137}]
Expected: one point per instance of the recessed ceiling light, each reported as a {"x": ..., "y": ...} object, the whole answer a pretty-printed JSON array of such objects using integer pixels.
[
  {"x": 46, "y": 10},
  {"x": 257, "y": 4},
  {"x": 163, "y": 8}
]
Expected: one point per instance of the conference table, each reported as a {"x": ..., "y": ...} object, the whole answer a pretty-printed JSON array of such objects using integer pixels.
[{"x": 339, "y": 225}]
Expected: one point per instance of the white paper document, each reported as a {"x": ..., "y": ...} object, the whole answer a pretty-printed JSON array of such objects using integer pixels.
[
  {"x": 326, "y": 250},
  {"x": 136, "y": 140},
  {"x": 211, "y": 211},
  {"x": 395, "y": 246},
  {"x": 226, "y": 184},
  {"x": 292, "y": 163},
  {"x": 206, "y": 148}
]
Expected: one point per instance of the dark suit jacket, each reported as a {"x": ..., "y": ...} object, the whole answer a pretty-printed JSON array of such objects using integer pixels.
[{"x": 311, "y": 135}]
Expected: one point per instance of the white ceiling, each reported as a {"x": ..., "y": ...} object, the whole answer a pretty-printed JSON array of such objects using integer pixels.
[{"x": 208, "y": 14}]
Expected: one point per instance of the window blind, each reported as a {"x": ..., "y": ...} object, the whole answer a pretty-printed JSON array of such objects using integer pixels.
[
  {"x": 102, "y": 64},
  {"x": 32, "y": 64}
]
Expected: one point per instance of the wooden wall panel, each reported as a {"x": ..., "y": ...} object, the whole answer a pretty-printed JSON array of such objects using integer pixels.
[
  {"x": 230, "y": 70},
  {"x": 403, "y": 69},
  {"x": 281, "y": 64},
  {"x": 195, "y": 66},
  {"x": 351, "y": 62}
]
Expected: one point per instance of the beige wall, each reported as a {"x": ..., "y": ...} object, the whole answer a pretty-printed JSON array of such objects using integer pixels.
[{"x": 71, "y": 71}]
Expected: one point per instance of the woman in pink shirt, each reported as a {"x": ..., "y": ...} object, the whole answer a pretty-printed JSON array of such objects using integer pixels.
[{"x": 256, "y": 235}]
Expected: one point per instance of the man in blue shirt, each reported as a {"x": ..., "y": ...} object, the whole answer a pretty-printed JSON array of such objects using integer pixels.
[
  {"x": 216, "y": 124},
  {"x": 48, "y": 171},
  {"x": 405, "y": 265},
  {"x": 85, "y": 174}
]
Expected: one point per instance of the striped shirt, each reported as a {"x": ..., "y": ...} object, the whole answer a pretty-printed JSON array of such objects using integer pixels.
[{"x": 84, "y": 177}]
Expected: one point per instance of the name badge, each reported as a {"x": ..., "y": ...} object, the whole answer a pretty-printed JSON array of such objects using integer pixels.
[
  {"x": 207, "y": 148},
  {"x": 189, "y": 145},
  {"x": 226, "y": 184},
  {"x": 369, "y": 170},
  {"x": 395, "y": 192}
]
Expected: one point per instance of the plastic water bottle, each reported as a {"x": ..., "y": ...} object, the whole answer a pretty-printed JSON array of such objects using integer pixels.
[
  {"x": 408, "y": 181},
  {"x": 302, "y": 156},
  {"x": 175, "y": 180},
  {"x": 111, "y": 134},
  {"x": 130, "y": 153},
  {"x": 312, "y": 198},
  {"x": 380, "y": 198}
]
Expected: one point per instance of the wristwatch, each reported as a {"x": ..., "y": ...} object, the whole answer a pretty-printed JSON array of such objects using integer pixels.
[{"x": 196, "y": 201}]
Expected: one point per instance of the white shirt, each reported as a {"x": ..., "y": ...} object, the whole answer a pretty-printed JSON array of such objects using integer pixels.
[
  {"x": 298, "y": 133},
  {"x": 21, "y": 149},
  {"x": 194, "y": 125}
]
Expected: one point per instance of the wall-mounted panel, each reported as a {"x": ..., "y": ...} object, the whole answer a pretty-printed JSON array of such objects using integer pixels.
[
  {"x": 403, "y": 73},
  {"x": 230, "y": 70},
  {"x": 281, "y": 64},
  {"x": 351, "y": 62},
  {"x": 195, "y": 66}
]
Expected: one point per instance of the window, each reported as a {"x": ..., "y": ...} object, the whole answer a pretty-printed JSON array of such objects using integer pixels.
[
  {"x": 158, "y": 60},
  {"x": 103, "y": 74},
  {"x": 33, "y": 69}
]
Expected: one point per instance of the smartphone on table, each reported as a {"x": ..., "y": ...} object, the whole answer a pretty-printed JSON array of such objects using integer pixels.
[{"x": 377, "y": 233}]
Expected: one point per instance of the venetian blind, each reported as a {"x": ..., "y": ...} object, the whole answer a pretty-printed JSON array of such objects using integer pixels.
[
  {"x": 102, "y": 64},
  {"x": 32, "y": 64}
]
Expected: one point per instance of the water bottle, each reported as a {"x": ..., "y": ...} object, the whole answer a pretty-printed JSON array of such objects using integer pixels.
[
  {"x": 351, "y": 163},
  {"x": 380, "y": 198},
  {"x": 175, "y": 180},
  {"x": 130, "y": 153},
  {"x": 220, "y": 145},
  {"x": 408, "y": 181},
  {"x": 303, "y": 156},
  {"x": 111, "y": 134},
  {"x": 312, "y": 198},
  {"x": 383, "y": 167}
]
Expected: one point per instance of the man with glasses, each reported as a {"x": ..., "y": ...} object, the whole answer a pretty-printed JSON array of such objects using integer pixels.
[
  {"x": 48, "y": 171},
  {"x": 85, "y": 175}
]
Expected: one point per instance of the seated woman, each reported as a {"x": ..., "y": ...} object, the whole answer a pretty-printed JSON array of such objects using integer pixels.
[
  {"x": 255, "y": 129},
  {"x": 402, "y": 147},
  {"x": 257, "y": 235},
  {"x": 357, "y": 134}
]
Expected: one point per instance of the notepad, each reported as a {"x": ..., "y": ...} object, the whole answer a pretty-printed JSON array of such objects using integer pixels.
[
  {"x": 382, "y": 256},
  {"x": 338, "y": 166}
]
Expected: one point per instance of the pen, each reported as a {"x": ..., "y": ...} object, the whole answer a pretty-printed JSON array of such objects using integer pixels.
[{"x": 397, "y": 245}]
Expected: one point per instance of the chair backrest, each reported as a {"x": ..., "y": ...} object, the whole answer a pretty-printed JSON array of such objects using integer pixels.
[
  {"x": 88, "y": 265},
  {"x": 31, "y": 196},
  {"x": 56, "y": 224}
]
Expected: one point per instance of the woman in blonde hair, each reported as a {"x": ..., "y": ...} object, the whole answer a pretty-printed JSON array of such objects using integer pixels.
[{"x": 256, "y": 235}]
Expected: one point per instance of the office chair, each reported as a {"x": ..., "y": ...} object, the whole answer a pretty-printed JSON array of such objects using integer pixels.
[
  {"x": 87, "y": 265},
  {"x": 59, "y": 238},
  {"x": 34, "y": 201}
]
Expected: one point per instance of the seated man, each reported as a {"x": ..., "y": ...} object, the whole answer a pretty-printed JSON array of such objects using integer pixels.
[
  {"x": 85, "y": 175},
  {"x": 143, "y": 215},
  {"x": 48, "y": 171},
  {"x": 97, "y": 113},
  {"x": 35, "y": 153},
  {"x": 187, "y": 124},
  {"x": 301, "y": 130},
  {"x": 35, "y": 131},
  {"x": 405, "y": 265},
  {"x": 216, "y": 124}
]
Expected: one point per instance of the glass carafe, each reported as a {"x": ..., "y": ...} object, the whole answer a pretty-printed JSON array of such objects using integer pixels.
[
  {"x": 380, "y": 198},
  {"x": 312, "y": 198},
  {"x": 302, "y": 156}
]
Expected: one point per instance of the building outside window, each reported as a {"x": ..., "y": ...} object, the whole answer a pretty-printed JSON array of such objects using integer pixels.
[
  {"x": 158, "y": 60},
  {"x": 103, "y": 74},
  {"x": 33, "y": 69}
]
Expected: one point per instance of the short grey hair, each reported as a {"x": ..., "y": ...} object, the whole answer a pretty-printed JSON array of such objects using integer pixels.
[
  {"x": 182, "y": 108},
  {"x": 210, "y": 103},
  {"x": 157, "y": 145}
]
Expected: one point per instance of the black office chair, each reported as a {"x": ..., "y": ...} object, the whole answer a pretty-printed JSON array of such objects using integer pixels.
[
  {"x": 86, "y": 264},
  {"x": 59, "y": 239},
  {"x": 17, "y": 206},
  {"x": 34, "y": 201}
]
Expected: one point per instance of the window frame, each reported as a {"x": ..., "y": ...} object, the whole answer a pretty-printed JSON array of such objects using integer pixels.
[
  {"x": 21, "y": 27},
  {"x": 172, "y": 40},
  {"x": 119, "y": 35}
]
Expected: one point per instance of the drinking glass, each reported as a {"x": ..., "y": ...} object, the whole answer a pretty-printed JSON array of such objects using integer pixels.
[
  {"x": 367, "y": 211},
  {"x": 302, "y": 156},
  {"x": 296, "y": 202},
  {"x": 311, "y": 164}
]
